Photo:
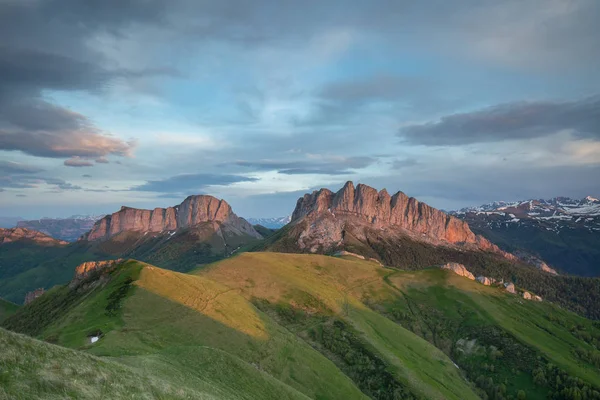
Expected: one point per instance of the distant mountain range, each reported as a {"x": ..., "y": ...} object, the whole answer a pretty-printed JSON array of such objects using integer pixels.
[
  {"x": 271, "y": 223},
  {"x": 69, "y": 229},
  {"x": 564, "y": 232}
]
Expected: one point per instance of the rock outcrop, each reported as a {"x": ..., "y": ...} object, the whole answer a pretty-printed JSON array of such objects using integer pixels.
[
  {"x": 22, "y": 234},
  {"x": 366, "y": 206},
  {"x": 484, "y": 280},
  {"x": 527, "y": 295},
  {"x": 86, "y": 269},
  {"x": 31, "y": 296},
  {"x": 459, "y": 269},
  {"x": 510, "y": 287},
  {"x": 194, "y": 210}
]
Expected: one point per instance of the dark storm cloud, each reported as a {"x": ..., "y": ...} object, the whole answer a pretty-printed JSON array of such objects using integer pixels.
[
  {"x": 335, "y": 166},
  {"x": 189, "y": 182},
  {"x": 11, "y": 167},
  {"x": 521, "y": 120}
]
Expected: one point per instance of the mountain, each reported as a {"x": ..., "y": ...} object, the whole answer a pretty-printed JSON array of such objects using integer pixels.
[
  {"x": 13, "y": 235},
  {"x": 9, "y": 222},
  {"x": 273, "y": 325},
  {"x": 563, "y": 232},
  {"x": 271, "y": 223},
  {"x": 193, "y": 211},
  {"x": 69, "y": 229},
  {"x": 361, "y": 217},
  {"x": 200, "y": 230}
]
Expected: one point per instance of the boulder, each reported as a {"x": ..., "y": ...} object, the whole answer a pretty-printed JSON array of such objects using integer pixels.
[
  {"x": 459, "y": 269},
  {"x": 484, "y": 280},
  {"x": 510, "y": 287}
]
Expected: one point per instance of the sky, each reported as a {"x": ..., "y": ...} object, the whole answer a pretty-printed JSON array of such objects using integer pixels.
[{"x": 106, "y": 103}]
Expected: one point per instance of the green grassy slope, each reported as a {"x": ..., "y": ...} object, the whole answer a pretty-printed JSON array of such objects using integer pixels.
[
  {"x": 490, "y": 334},
  {"x": 192, "y": 326},
  {"x": 297, "y": 326},
  {"x": 25, "y": 266},
  {"x": 7, "y": 309},
  {"x": 504, "y": 342},
  {"x": 579, "y": 294},
  {"x": 31, "y": 369}
]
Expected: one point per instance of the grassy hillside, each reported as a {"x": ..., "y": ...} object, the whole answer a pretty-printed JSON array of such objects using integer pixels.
[
  {"x": 32, "y": 369},
  {"x": 579, "y": 294},
  {"x": 25, "y": 266},
  {"x": 311, "y": 326},
  {"x": 7, "y": 309}
]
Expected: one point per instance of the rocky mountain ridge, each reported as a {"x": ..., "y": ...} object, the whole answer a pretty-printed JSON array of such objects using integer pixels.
[
  {"x": 193, "y": 211},
  {"x": 329, "y": 215},
  {"x": 12, "y": 235}
]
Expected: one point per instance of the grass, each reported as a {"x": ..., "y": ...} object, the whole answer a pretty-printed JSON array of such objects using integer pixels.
[
  {"x": 31, "y": 369},
  {"x": 7, "y": 309},
  {"x": 445, "y": 308},
  {"x": 274, "y": 325}
]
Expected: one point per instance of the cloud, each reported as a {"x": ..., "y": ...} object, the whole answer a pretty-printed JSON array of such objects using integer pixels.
[
  {"x": 86, "y": 176},
  {"x": 102, "y": 160},
  {"x": 32, "y": 182},
  {"x": 11, "y": 167},
  {"x": 21, "y": 195},
  {"x": 77, "y": 162},
  {"x": 512, "y": 121},
  {"x": 331, "y": 166},
  {"x": 48, "y": 51},
  {"x": 190, "y": 183},
  {"x": 404, "y": 163}
]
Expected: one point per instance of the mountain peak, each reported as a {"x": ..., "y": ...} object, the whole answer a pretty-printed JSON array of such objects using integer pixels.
[
  {"x": 364, "y": 208},
  {"x": 193, "y": 211}
]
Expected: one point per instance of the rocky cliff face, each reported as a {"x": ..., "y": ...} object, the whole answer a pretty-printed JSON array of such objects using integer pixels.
[
  {"x": 193, "y": 211},
  {"x": 363, "y": 205},
  {"x": 84, "y": 270},
  {"x": 23, "y": 234}
]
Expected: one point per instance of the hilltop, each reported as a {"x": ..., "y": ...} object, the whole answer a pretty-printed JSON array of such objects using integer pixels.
[{"x": 320, "y": 327}]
